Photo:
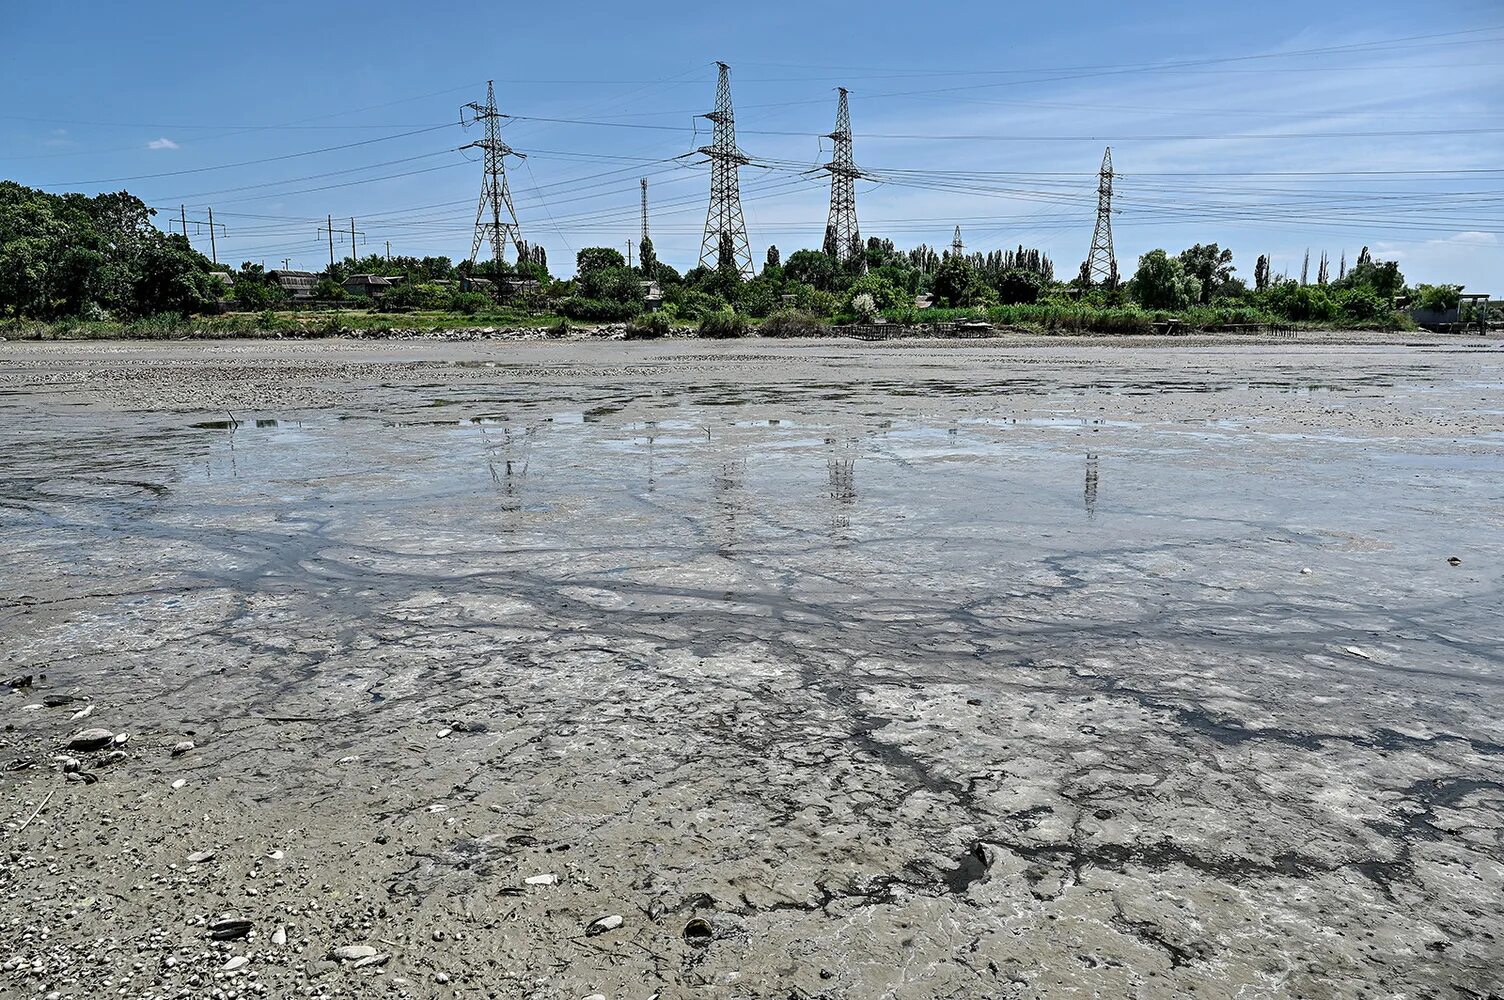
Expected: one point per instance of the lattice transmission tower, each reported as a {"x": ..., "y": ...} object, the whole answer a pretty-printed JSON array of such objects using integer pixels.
[
  {"x": 724, "y": 218},
  {"x": 1100, "y": 265},
  {"x": 644, "y": 211},
  {"x": 496, "y": 217},
  {"x": 843, "y": 238}
]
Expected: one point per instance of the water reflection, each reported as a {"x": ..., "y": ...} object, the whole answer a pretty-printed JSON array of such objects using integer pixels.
[{"x": 1090, "y": 493}]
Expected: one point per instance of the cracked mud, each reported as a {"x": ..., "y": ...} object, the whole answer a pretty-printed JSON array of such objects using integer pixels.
[{"x": 832, "y": 670}]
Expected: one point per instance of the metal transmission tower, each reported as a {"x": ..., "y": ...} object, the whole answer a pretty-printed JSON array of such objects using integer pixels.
[
  {"x": 724, "y": 219},
  {"x": 841, "y": 230},
  {"x": 644, "y": 212},
  {"x": 1101, "y": 266},
  {"x": 957, "y": 248},
  {"x": 495, "y": 218}
]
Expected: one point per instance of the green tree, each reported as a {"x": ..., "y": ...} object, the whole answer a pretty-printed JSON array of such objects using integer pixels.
[
  {"x": 955, "y": 282},
  {"x": 647, "y": 258},
  {"x": 1161, "y": 282},
  {"x": 597, "y": 258},
  {"x": 1017, "y": 285},
  {"x": 1210, "y": 265},
  {"x": 811, "y": 267},
  {"x": 773, "y": 259}
]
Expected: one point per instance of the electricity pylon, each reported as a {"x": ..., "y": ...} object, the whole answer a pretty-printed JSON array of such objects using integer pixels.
[
  {"x": 724, "y": 218},
  {"x": 1101, "y": 266},
  {"x": 644, "y": 211},
  {"x": 957, "y": 248},
  {"x": 495, "y": 195},
  {"x": 843, "y": 238}
]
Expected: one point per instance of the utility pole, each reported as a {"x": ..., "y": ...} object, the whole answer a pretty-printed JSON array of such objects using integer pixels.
[
  {"x": 957, "y": 248},
  {"x": 389, "y": 251},
  {"x": 495, "y": 195},
  {"x": 1101, "y": 265},
  {"x": 286, "y": 263},
  {"x": 352, "y": 241},
  {"x": 198, "y": 224},
  {"x": 329, "y": 228},
  {"x": 843, "y": 238},
  {"x": 629, "y": 251},
  {"x": 724, "y": 217},
  {"x": 329, "y": 225}
]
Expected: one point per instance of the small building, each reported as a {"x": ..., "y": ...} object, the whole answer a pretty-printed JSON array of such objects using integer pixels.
[
  {"x": 652, "y": 296},
  {"x": 483, "y": 285},
  {"x": 225, "y": 278},
  {"x": 298, "y": 285},
  {"x": 371, "y": 286}
]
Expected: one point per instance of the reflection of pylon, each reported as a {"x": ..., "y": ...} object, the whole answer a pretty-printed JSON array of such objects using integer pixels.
[
  {"x": 725, "y": 213},
  {"x": 495, "y": 196},
  {"x": 1101, "y": 266},
  {"x": 843, "y": 239}
]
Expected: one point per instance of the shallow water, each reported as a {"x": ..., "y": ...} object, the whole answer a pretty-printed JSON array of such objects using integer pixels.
[{"x": 948, "y": 674}]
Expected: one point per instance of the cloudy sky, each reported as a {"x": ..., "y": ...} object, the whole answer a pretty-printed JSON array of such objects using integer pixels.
[{"x": 1275, "y": 128}]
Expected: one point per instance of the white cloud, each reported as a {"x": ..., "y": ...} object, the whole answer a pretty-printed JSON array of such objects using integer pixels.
[{"x": 162, "y": 143}]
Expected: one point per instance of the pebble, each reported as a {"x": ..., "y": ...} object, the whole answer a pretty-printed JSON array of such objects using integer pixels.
[
  {"x": 1305, "y": 571},
  {"x": 181, "y": 748},
  {"x": 444, "y": 732},
  {"x": 83, "y": 713},
  {"x": 601, "y": 925},
  {"x": 352, "y": 952},
  {"x": 180, "y": 783},
  {"x": 238, "y": 962},
  {"x": 1454, "y": 561},
  {"x": 371, "y": 961},
  {"x": 541, "y": 879},
  {"x": 279, "y": 937},
  {"x": 276, "y": 855},
  {"x": 199, "y": 857},
  {"x": 90, "y": 739},
  {"x": 120, "y": 738},
  {"x": 1355, "y": 651}
]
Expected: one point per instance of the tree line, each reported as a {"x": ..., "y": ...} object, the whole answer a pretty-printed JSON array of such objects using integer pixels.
[{"x": 74, "y": 256}]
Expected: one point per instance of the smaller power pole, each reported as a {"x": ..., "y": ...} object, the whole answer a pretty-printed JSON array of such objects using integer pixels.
[
  {"x": 213, "y": 250},
  {"x": 286, "y": 263},
  {"x": 183, "y": 214},
  {"x": 183, "y": 220},
  {"x": 629, "y": 252},
  {"x": 388, "y": 250},
  {"x": 329, "y": 225}
]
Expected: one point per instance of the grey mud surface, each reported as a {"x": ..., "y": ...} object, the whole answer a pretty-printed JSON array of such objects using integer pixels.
[{"x": 912, "y": 670}]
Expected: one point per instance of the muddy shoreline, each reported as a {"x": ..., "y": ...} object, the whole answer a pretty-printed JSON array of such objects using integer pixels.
[{"x": 835, "y": 670}]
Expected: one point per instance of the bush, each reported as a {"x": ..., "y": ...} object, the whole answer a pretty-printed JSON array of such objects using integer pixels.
[
  {"x": 1362, "y": 305},
  {"x": 468, "y": 303},
  {"x": 1016, "y": 286},
  {"x": 597, "y": 310},
  {"x": 864, "y": 307},
  {"x": 793, "y": 323},
  {"x": 1438, "y": 298},
  {"x": 649, "y": 326},
  {"x": 724, "y": 324}
]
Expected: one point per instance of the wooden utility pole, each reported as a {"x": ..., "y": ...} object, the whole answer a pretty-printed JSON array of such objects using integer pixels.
[
  {"x": 213, "y": 250},
  {"x": 388, "y": 250},
  {"x": 329, "y": 225},
  {"x": 183, "y": 214},
  {"x": 629, "y": 253}
]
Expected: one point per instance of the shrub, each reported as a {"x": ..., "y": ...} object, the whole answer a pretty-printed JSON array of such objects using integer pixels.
[
  {"x": 1017, "y": 285},
  {"x": 1438, "y": 298},
  {"x": 468, "y": 303},
  {"x": 723, "y": 324},
  {"x": 793, "y": 323},
  {"x": 649, "y": 326},
  {"x": 863, "y": 305},
  {"x": 597, "y": 310}
]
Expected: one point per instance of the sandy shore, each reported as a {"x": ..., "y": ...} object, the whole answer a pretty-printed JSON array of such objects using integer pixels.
[{"x": 753, "y": 670}]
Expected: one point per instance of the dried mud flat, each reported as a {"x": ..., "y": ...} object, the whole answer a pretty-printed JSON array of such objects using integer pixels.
[{"x": 831, "y": 670}]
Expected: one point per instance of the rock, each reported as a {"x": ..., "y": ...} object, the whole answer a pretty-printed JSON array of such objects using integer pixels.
[
  {"x": 71, "y": 764},
  {"x": 90, "y": 739},
  {"x": 1454, "y": 561},
  {"x": 180, "y": 783},
  {"x": 601, "y": 925},
  {"x": 238, "y": 962},
  {"x": 371, "y": 961},
  {"x": 83, "y": 713},
  {"x": 1355, "y": 651},
  {"x": 276, "y": 855},
  {"x": 58, "y": 700},
  {"x": 352, "y": 952},
  {"x": 199, "y": 857},
  {"x": 23, "y": 681},
  {"x": 279, "y": 936},
  {"x": 444, "y": 732},
  {"x": 83, "y": 776},
  {"x": 541, "y": 879},
  {"x": 114, "y": 757},
  {"x": 120, "y": 738},
  {"x": 229, "y": 928},
  {"x": 1305, "y": 571},
  {"x": 181, "y": 748}
]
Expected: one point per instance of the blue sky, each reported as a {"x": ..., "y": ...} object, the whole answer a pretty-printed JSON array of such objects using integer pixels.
[{"x": 1270, "y": 128}]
